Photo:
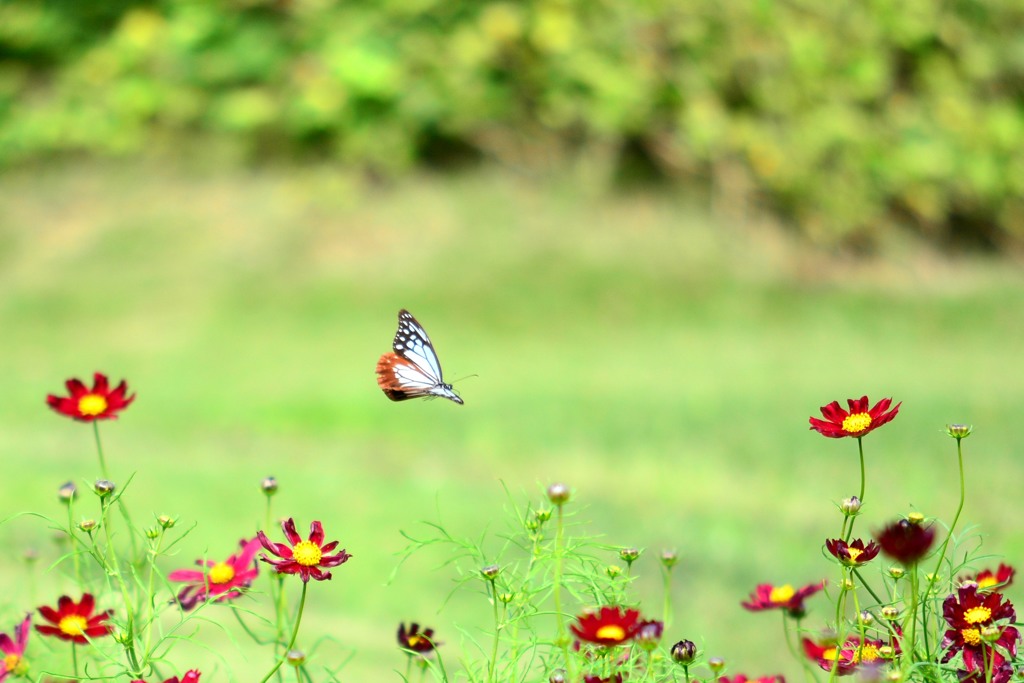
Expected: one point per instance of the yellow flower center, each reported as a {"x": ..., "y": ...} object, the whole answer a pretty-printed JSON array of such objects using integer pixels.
[
  {"x": 307, "y": 553},
  {"x": 869, "y": 653},
  {"x": 92, "y": 404},
  {"x": 857, "y": 422},
  {"x": 971, "y": 636},
  {"x": 73, "y": 624},
  {"x": 977, "y": 615},
  {"x": 986, "y": 582},
  {"x": 830, "y": 653},
  {"x": 854, "y": 553},
  {"x": 414, "y": 641},
  {"x": 221, "y": 573},
  {"x": 781, "y": 594},
  {"x": 11, "y": 662},
  {"x": 611, "y": 632}
]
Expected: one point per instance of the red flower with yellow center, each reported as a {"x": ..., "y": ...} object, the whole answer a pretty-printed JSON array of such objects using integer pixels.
[
  {"x": 968, "y": 612},
  {"x": 607, "y": 626},
  {"x": 190, "y": 677},
  {"x": 86, "y": 405},
  {"x": 416, "y": 640},
  {"x": 852, "y": 554},
  {"x": 846, "y": 659},
  {"x": 906, "y": 541},
  {"x": 306, "y": 558},
  {"x": 858, "y": 422},
  {"x": 13, "y": 650},
  {"x": 222, "y": 580},
  {"x": 989, "y": 580},
  {"x": 767, "y": 596},
  {"x": 74, "y": 621}
]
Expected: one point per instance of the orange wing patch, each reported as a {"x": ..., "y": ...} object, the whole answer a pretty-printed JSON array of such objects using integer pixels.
[{"x": 386, "y": 379}]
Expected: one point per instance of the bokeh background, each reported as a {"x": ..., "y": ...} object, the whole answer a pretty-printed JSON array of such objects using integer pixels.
[{"x": 648, "y": 240}]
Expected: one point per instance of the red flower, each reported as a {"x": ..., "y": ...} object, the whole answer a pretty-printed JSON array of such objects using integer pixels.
[
  {"x": 14, "y": 650},
  {"x": 852, "y": 554},
  {"x": 416, "y": 640},
  {"x": 609, "y": 626},
  {"x": 190, "y": 677},
  {"x": 742, "y": 678},
  {"x": 74, "y": 621},
  {"x": 988, "y": 580},
  {"x": 221, "y": 580},
  {"x": 858, "y": 422},
  {"x": 851, "y": 656},
  {"x": 98, "y": 403},
  {"x": 767, "y": 596},
  {"x": 305, "y": 558},
  {"x": 905, "y": 541},
  {"x": 589, "y": 678},
  {"x": 968, "y": 612}
]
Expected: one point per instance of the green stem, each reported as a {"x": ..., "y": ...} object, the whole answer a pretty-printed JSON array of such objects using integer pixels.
[
  {"x": 559, "y": 616},
  {"x": 120, "y": 503},
  {"x": 910, "y": 623},
  {"x": 154, "y": 552},
  {"x": 74, "y": 658},
  {"x": 408, "y": 668},
  {"x": 949, "y": 535},
  {"x": 840, "y": 625},
  {"x": 666, "y": 609},
  {"x": 493, "y": 667},
  {"x": 295, "y": 634},
  {"x": 863, "y": 481},
  {"x": 115, "y": 568},
  {"x": 74, "y": 544}
]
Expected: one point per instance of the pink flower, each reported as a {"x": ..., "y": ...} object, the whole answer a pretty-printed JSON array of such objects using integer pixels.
[
  {"x": 305, "y": 558},
  {"x": 221, "y": 580},
  {"x": 14, "y": 649},
  {"x": 191, "y": 677}
]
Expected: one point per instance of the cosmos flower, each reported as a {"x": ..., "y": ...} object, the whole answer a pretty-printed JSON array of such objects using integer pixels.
[
  {"x": 307, "y": 558},
  {"x": 905, "y": 541},
  {"x": 608, "y": 626},
  {"x": 968, "y": 612},
  {"x": 989, "y": 580},
  {"x": 191, "y": 676},
  {"x": 853, "y": 554},
  {"x": 766, "y": 596},
  {"x": 849, "y": 657},
  {"x": 418, "y": 641},
  {"x": 13, "y": 650},
  {"x": 858, "y": 422},
  {"x": 220, "y": 580},
  {"x": 74, "y": 621},
  {"x": 86, "y": 405}
]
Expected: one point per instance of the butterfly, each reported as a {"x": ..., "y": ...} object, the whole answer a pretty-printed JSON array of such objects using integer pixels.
[{"x": 412, "y": 369}]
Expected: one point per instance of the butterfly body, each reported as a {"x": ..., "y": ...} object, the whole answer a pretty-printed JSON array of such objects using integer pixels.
[{"x": 412, "y": 370}]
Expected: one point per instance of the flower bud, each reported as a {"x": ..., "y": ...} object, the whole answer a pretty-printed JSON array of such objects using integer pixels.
[
  {"x": 716, "y": 664},
  {"x": 30, "y": 555},
  {"x": 67, "y": 492},
  {"x": 88, "y": 525},
  {"x": 506, "y": 598},
  {"x": 890, "y": 613},
  {"x": 532, "y": 524},
  {"x": 887, "y": 652},
  {"x": 558, "y": 494},
  {"x": 629, "y": 555},
  {"x": 669, "y": 558},
  {"x": 542, "y": 515},
  {"x": 296, "y": 657},
  {"x": 897, "y": 572},
  {"x": 846, "y": 585},
  {"x": 103, "y": 487},
  {"x": 648, "y": 634},
  {"x": 850, "y": 506},
  {"x": 490, "y": 572},
  {"x": 866, "y": 618},
  {"x": 915, "y": 518},
  {"x": 166, "y": 521},
  {"x": 893, "y": 675},
  {"x": 959, "y": 431},
  {"x": 684, "y": 652},
  {"x": 613, "y": 571},
  {"x": 153, "y": 533},
  {"x": 558, "y": 676},
  {"x": 991, "y": 633},
  {"x": 269, "y": 485}
]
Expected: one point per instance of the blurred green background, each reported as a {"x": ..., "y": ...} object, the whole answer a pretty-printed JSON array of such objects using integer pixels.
[{"x": 648, "y": 241}]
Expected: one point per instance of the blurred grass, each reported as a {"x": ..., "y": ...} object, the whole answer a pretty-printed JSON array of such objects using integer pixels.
[{"x": 661, "y": 362}]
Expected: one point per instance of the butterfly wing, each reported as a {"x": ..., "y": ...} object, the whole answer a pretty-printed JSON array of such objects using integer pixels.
[{"x": 412, "y": 370}]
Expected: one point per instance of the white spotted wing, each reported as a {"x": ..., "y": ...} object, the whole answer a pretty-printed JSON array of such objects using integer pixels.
[{"x": 412, "y": 370}]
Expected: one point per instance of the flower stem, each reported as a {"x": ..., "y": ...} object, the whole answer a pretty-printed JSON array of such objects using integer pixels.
[
  {"x": 120, "y": 503},
  {"x": 74, "y": 544},
  {"x": 493, "y": 667},
  {"x": 863, "y": 479},
  {"x": 295, "y": 634},
  {"x": 559, "y": 616},
  {"x": 115, "y": 569},
  {"x": 666, "y": 609}
]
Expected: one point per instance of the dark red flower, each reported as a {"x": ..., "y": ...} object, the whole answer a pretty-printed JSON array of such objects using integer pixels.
[
  {"x": 968, "y": 612},
  {"x": 416, "y": 640},
  {"x": 98, "y": 403},
  {"x": 590, "y": 678},
  {"x": 608, "y": 626},
  {"x": 852, "y": 554},
  {"x": 742, "y": 678},
  {"x": 190, "y": 677},
  {"x": 767, "y": 596},
  {"x": 220, "y": 580},
  {"x": 857, "y": 422},
  {"x": 905, "y": 541},
  {"x": 13, "y": 650},
  {"x": 305, "y": 558},
  {"x": 852, "y": 655},
  {"x": 989, "y": 580},
  {"x": 74, "y": 621}
]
